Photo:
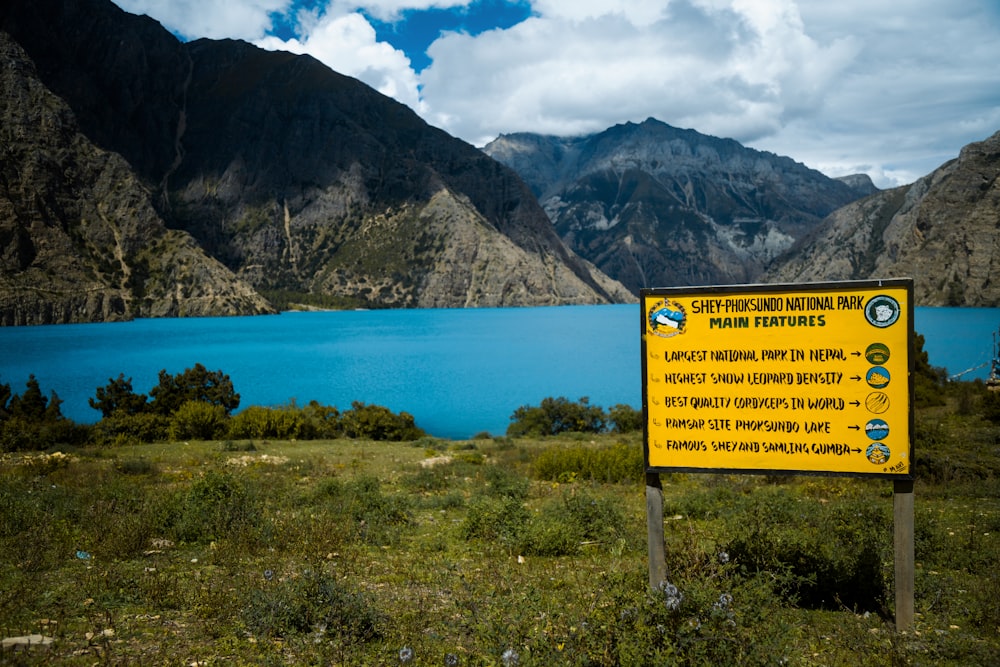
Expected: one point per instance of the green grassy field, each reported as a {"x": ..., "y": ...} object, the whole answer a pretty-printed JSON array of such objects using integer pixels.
[{"x": 493, "y": 551}]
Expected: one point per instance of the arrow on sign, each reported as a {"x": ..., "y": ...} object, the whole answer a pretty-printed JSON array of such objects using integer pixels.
[
  {"x": 855, "y": 428},
  {"x": 856, "y": 451},
  {"x": 856, "y": 354},
  {"x": 856, "y": 377},
  {"x": 856, "y": 404}
]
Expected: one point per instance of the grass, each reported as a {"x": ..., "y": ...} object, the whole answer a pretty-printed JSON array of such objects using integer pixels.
[{"x": 487, "y": 552}]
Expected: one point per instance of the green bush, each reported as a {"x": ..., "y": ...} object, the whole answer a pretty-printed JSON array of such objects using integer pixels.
[
  {"x": 220, "y": 506},
  {"x": 562, "y": 527},
  {"x": 501, "y": 519},
  {"x": 197, "y": 420},
  {"x": 374, "y": 516},
  {"x": 121, "y": 428},
  {"x": 557, "y": 415},
  {"x": 503, "y": 482},
  {"x": 991, "y": 406},
  {"x": 823, "y": 557},
  {"x": 312, "y": 602},
  {"x": 624, "y": 418},
  {"x": 194, "y": 384},
  {"x": 375, "y": 422},
  {"x": 928, "y": 381},
  {"x": 319, "y": 421},
  {"x": 257, "y": 422}
]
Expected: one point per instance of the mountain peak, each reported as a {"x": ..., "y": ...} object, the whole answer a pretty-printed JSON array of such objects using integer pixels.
[{"x": 653, "y": 205}]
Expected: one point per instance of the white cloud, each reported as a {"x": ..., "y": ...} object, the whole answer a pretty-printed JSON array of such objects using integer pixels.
[
  {"x": 216, "y": 19},
  {"x": 891, "y": 88},
  {"x": 347, "y": 44},
  {"x": 388, "y": 10},
  {"x": 713, "y": 67}
]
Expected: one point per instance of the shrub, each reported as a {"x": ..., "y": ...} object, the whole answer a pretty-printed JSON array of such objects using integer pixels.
[
  {"x": 505, "y": 483},
  {"x": 197, "y": 420},
  {"x": 825, "y": 558},
  {"x": 557, "y": 415},
  {"x": 562, "y": 527},
  {"x": 122, "y": 428},
  {"x": 928, "y": 381},
  {"x": 260, "y": 422},
  {"x": 991, "y": 406},
  {"x": 219, "y": 506},
  {"x": 194, "y": 384},
  {"x": 624, "y": 418},
  {"x": 319, "y": 421},
  {"x": 374, "y": 516},
  {"x": 501, "y": 519},
  {"x": 313, "y": 602},
  {"x": 375, "y": 422}
]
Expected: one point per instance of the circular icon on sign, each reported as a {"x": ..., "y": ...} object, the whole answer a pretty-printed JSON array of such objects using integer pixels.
[
  {"x": 877, "y": 353},
  {"x": 877, "y": 377},
  {"x": 877, "y": 402},
  {"x": 667, "y": 318},
  {"x": 877, "y": 453},
  {"x": 882, "y": 311},
  {"x": 876, "y": 429}
]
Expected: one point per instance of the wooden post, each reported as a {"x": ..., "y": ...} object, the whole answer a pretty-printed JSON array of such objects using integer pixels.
[
  {"x": 902, "y": 517},
  {"x": 654, "y": 527}
]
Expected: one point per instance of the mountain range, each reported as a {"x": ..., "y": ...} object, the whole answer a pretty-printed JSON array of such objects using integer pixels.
[
  {"x": 653, "y": 205},
  {"x": 144, "y": 177},
  {"x": 273, "y": 175}
]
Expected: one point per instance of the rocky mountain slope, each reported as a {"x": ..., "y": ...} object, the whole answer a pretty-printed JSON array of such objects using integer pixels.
[
  {"x": 304, "y": 183},
  {"x": 79, "y": 237},
  {"x": 943, "y": 231},
  {"x": 654, "y": 206}
]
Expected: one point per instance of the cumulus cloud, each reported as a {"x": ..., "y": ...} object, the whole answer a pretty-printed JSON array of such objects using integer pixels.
[
  {"x": 346, "y": 43},
  {"x": 216, "y": 19},
  {"x": 891, "y": 88},
  {"x": 718, "y": 67}
]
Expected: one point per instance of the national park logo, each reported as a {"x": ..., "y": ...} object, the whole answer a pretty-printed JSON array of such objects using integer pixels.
[
  {"x": 882, "y": 311},
  {"x": 667, "y": 318}
]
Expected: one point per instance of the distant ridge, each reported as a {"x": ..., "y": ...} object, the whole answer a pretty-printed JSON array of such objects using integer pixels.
[
  {"x": 653, "y": 205},
  {"x": 943, "y": 231}
]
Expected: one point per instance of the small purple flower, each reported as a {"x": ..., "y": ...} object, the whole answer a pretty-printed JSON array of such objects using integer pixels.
[
  {"x": 450, "y": 660},
  {"x": 269, "y": 574},
  {"x": 510, "y": 658},
  {"x": 724, "y": 601},
  {"x": 672, "y": 597},
  {"x": 723, "y": 557},
  {"x": 405, "y": 655}
]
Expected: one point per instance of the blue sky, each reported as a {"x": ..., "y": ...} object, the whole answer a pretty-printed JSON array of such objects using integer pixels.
[{"x": 891, "y": 88}]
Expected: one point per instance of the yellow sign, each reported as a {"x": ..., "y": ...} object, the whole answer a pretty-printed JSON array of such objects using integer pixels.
[{"x": 792, "y": 378}]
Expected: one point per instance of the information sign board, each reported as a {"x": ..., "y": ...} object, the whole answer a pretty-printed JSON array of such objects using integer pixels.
[{"x": 813, "y": 378}]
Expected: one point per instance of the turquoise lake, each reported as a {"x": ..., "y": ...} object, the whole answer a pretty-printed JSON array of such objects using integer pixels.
[{"x": 458, "y": 371}]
